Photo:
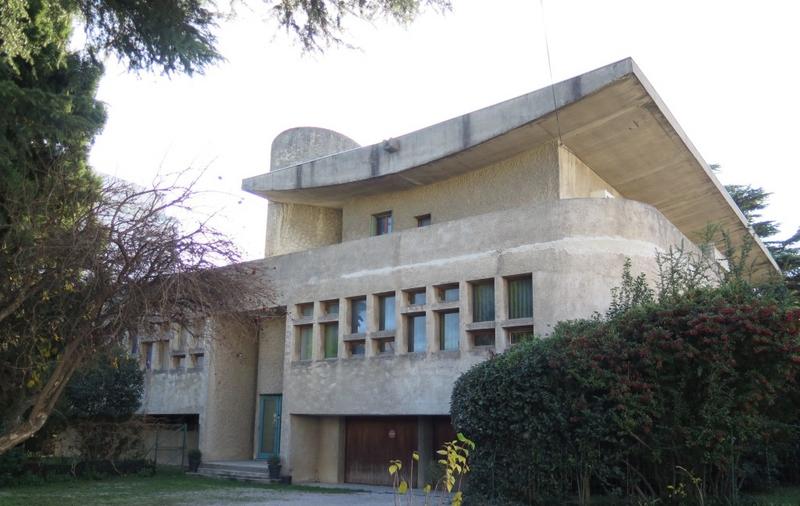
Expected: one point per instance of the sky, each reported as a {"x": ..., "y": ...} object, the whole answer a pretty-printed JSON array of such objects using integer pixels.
[{"x": 727, "y": 70}]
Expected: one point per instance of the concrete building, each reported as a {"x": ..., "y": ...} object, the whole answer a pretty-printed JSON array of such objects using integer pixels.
[{"x": 397, "y": 266}]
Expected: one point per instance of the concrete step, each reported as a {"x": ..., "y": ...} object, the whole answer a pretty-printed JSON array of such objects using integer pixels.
[
  {"x": 235, "y": 475},
  {"x": 258, "y": 468}
]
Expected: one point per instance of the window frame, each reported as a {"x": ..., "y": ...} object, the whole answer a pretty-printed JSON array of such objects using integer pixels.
[
  {"x": 377, "y": 229},
  {"x": 477, "y": 288},
  {"x": 442, "y": 316},
  {"x": 510, "y": 306},
  {"x": 424, "y": 220}
]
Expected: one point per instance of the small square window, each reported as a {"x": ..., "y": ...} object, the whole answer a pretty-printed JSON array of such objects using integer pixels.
[
  {"x": 518, "y": 334},
  {"x": 386, "y": 346},
  {"x": 423, "y": 220},
  {"x": 382, "y": 223},
  {"x": 305, "y": 310},
  {"x": 332, "y": 307},
  {"x": 356, "y": 348},
  {"x": 177, "y": 361},
  {"x": 481, "y": 338},
  {"x": 416, "y": 297},
  {"x": 448, "y": 293},
  {"x": 197, "y": 360}
]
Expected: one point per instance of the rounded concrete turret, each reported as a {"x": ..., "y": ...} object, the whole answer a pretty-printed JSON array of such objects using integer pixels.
[{"x": 303, "y": 144}]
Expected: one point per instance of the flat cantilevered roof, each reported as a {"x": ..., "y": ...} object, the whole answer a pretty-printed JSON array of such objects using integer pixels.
[{"x": 611, "y": 118}]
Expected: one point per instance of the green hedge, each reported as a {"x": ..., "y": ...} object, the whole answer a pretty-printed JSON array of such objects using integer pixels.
[{"x": 639, "y": 404}]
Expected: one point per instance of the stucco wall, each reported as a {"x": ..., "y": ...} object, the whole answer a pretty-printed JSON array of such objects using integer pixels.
[
  {"x": 297, "y": 227},
  {"x": 174, "y": 392},
  {"x": 522, "y": 180},
  {"x": 577, "y": 180},
  {"x": 227, "y": 425},
  {"x": 271, "y": 346},
  {"x": 574, "y": 250}
]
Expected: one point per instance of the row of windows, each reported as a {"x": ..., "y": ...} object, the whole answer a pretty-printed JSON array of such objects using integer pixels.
[
  {"x": 156, "y": 356},
  {"x": 383, "y": 223},
  {"x": 445, "y": 318}
]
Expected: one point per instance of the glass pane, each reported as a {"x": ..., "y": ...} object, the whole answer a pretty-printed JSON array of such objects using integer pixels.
[
  {"x": 418, "y": 341},
  {"x": 383, "y": 223},
  {"x": 269, "y": 418},
  {"x": 424, "y": 220},
  {"x": 520, "y": 298},
  {"x": 358, "y": 316},
  {"x": 519, "y": 334},
  {"x": 483, "y": 338},
  {"x": 332, "y": 307},
  {"x": 386, "y": 346},
  {"x": 449, "y": 294},
  {"x": 305, "y": 342},
  {"x": 387, "y": 312},
  {"x": 417, "y": 298},
  {"x": 307, "y": 309},
  {"x": 357, "y": 348},
  {"x": 483, "y": 302},
  {"x": 331, "y": 340},
  {"x": 449, "y": 331}
]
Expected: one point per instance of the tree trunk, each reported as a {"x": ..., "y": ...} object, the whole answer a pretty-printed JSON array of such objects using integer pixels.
[{"x": 20, "y": 431}]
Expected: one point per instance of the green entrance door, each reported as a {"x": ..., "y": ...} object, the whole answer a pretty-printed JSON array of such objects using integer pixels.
[{"x": 269, "y": 433}]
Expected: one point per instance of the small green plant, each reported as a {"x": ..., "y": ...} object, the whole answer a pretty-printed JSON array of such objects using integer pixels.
[
  {"x": 195, "y": 456},
  {"x": 454, "y": 463}
]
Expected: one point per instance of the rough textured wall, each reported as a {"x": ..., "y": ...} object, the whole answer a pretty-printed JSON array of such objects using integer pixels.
[
  {"x": 577, "y": 180},
  {"x": 297, "y": 227},
  {"x": 228, "y": 419},
  {"x": 519, "y": 181},
  {"x": 270, "y": 355},
  {"x": 294, "y": 227},
  {"x": 174, "y": 392}
]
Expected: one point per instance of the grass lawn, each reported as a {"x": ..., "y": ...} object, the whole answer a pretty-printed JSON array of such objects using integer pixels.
[
  {"x": 784, "y": 496},
  {"x": 167, "y": 487}
]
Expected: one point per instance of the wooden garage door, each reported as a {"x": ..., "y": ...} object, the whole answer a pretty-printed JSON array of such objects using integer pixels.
[{"x": 371, "y": 442}]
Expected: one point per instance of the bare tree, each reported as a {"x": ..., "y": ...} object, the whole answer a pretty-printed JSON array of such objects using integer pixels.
[{"x": 74, "y": 284}]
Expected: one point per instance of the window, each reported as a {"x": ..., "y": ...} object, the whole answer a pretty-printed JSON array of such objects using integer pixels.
[
  {"x": 483, "y": 338},
  {"x": 448, "y": 293},
  {"x": 163, "y": 349},
  {"x": 423, "y": 220},
  {"x": 305, "y": 310},
  {"x": 197, "y": 360},
  {"x": 148, "y": 355},
  {"x": 356, "y": 348},
  {"x": 483, "y": 301},
  {"x": 358, "y": 315},
  {"x": 304, "y": 335},
  {"x": 520, "y": 298},
  {"x": 386, "y": 312},
  {"x": 177, "y": 361},
  {"x": 448, "y": 331},
  {"x": 331, "y": 336},
  {"x": 382, "y": 223},
  {"x": 519, "y": 334},
  {"x": 386, "y": 346},
  {"x": 332, "y": 307},
  {"x": 417, "y": 338},
  {"x": 416, "y": 297}
]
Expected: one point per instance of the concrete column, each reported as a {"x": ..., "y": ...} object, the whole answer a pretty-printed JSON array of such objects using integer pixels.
[
  {"x": 465, "y": 314},
  {"x": 344, "y": 314},
  {"x": 431, "y": 321},
  {"x": 400, "y": 341},
  {"x": 500, "y": 313},
  {"x": 372, "y": 325}
]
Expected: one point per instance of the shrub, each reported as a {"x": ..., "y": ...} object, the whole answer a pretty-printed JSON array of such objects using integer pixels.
[{"x": 705, "y": 380}]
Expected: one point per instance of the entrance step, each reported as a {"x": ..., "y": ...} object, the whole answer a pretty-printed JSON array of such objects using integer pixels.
[{"x": 242, "y": 471}]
